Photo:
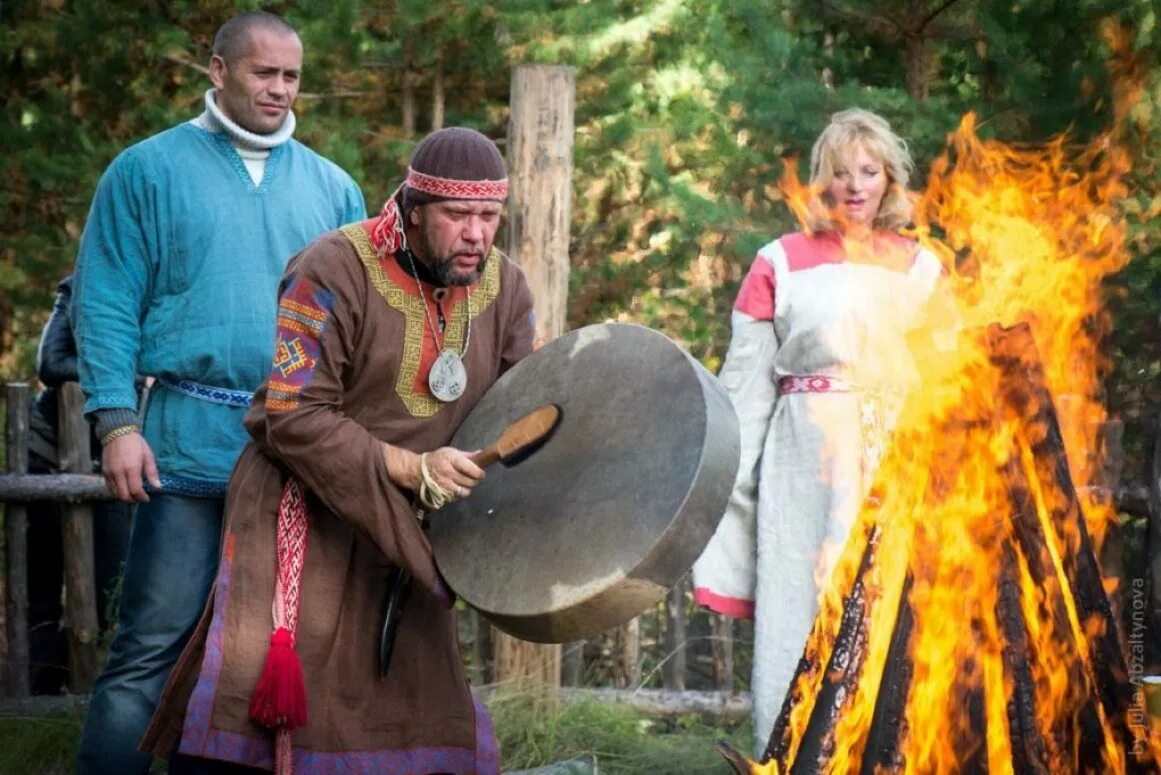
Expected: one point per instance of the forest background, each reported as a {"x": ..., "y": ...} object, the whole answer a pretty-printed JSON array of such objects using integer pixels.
[{"x": 684, "y": 113}]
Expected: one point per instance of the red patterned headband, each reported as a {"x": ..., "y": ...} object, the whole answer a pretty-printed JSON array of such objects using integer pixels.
[{"x": 456, "y": 189}]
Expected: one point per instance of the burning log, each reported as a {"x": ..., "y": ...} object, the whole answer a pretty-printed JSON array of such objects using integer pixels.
[
  {"x": 1029, "y": 748},
  {"x": 889, "y": 724},
  {"x": 807, "y": 675},
  {"x": 842, "y": 670}
]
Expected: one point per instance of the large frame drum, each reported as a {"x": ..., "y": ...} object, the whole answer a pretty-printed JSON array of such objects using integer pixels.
[{"x": 601, "y": 521}]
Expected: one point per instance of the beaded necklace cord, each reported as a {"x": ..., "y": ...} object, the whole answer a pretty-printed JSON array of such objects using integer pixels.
[{"x": 427, "y": 313}]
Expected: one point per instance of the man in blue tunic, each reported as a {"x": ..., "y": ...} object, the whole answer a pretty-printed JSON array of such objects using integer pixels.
[{"x": 177, "y": 275}]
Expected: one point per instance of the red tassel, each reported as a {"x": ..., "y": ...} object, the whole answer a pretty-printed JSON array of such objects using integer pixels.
[{"x": 280, "y": 698}]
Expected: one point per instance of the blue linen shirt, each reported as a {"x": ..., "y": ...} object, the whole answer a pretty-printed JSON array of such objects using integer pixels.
[{"x": 177, "y": 278}]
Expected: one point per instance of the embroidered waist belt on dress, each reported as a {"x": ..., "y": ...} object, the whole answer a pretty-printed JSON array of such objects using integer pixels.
[
  {"x": 814, "y": 383},
  {"x": 214, "y": 395}
]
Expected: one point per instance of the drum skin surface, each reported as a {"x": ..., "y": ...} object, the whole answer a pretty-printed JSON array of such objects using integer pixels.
[{"x": 596, "y": 525}]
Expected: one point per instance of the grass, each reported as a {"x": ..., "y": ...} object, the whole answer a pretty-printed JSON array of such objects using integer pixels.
[
  {"x": 44, "y": 745},
  {"x": 622, "y": 742}
]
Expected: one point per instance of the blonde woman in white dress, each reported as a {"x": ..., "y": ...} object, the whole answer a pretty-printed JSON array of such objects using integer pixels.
[{"x": 817, "y": 368}]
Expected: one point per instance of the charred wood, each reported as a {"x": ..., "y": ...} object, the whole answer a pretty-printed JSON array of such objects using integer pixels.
[
  {"x": 847, "y": 652},
  {"x": 1084, "y": 740},
  {"x": 973, "y": 748},
  {"x": 844, "y": 667},
  {"x": 737, "y": 760},
  {"x": 1025, "y": 390},
  {"x": 1029, "y": 749},
  {"x": 889, "y": 725}
]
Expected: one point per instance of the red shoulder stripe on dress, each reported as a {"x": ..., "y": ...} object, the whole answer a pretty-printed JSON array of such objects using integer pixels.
[{"x": 756, "y": 296}]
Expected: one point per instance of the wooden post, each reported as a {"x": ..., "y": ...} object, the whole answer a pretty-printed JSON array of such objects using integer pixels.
[
  {"x": 673, "y": 669},
  {"x": 540, "y": 139},
  {"x": 722, "y": 648},
  {"x": 572, "y": 664},
  {"x": 80, "y": 607},
  {"x": 16, "y": 540},
  {"x": 626, "y": 654},
  {"x": 481, "y": 672}
]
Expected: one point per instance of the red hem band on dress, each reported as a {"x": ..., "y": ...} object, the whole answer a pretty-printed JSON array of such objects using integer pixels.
[{"x": 730, "y": 606}]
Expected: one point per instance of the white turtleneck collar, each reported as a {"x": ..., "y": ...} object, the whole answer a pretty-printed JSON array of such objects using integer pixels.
[
  {"x": 252, "y": 147},
  {"x": 216, "y": 121}
]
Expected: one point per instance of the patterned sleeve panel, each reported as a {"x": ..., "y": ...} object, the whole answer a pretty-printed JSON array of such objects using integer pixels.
[
  {"x": 306, "y": 426},
  {"x": 303, "y": 311}
]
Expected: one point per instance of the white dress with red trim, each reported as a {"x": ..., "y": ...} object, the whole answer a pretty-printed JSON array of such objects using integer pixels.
[{"x": 817, "y": 368}]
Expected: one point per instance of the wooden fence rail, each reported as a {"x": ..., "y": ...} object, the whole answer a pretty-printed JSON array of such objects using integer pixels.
[{"x": 60, "y": 488}]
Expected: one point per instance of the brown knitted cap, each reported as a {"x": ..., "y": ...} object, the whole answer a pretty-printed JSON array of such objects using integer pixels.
[
  {"x": 458, "y": 153},
  {"x": 455, "y": 163}
]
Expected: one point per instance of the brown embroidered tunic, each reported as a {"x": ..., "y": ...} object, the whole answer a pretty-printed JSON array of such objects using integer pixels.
[{"x": 354, "y": 347}]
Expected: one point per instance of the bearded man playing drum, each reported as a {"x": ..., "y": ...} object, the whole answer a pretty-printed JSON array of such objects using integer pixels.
[{"x": 389, "y": 331}]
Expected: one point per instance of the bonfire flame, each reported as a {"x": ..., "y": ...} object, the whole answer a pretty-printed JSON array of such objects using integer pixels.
[{"x": 964, "y": 559}]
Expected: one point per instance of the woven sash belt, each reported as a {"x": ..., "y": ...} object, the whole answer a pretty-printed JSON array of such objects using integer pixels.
[
  {"x": 814, "y": 383},
  {"x": 215, "y": 395}
]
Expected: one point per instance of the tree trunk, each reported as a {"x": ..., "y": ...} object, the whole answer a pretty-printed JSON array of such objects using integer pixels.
[
  {"x": 438, "y": 95},
  {"x": 80, "y": 608},
  {"x": 828, "y": 47},
  {"x": 540, "y": 139},
  {"x": 407, "y": 87},
  {"x": 922, "y": 64},
  {"x": 15, "y": 623}
]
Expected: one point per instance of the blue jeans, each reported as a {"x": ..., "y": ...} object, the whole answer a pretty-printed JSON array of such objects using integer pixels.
[{"x": 172, "y": 561}]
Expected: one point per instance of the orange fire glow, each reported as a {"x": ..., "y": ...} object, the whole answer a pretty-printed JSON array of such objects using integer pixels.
[{"x": 1027, "y": 235}]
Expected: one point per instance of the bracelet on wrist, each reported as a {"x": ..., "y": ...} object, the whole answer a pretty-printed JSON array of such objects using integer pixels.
[{"x": 117, "y": 433}]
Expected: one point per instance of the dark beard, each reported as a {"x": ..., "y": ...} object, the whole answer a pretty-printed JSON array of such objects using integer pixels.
[{"x": 446, "y": 276}]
